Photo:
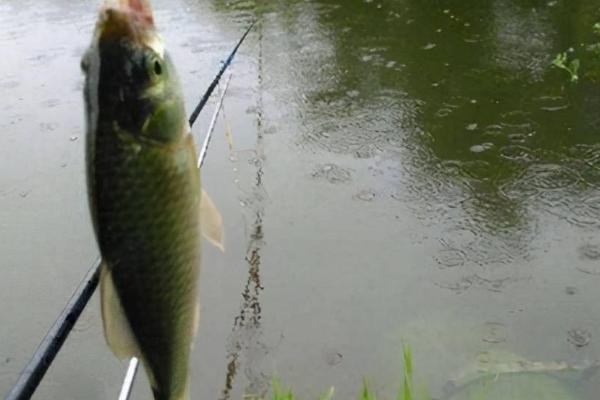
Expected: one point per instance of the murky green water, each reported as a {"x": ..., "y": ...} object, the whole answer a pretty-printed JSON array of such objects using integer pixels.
[{"x": 402, "y": 171}]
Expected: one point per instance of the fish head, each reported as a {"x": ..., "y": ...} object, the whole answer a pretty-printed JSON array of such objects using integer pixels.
[{"x": 131, "y": 81}]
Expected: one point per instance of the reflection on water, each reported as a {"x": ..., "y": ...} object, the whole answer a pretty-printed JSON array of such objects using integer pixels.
[
  {"x": 452, "y": 113},
  {"x": 431, "y": 179},
  {"x": 492, "y": 132},
  {"x": 245, "y": 337}
]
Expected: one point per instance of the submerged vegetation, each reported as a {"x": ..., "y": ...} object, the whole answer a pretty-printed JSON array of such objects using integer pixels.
[
  {"x": 572, "y": 67},
  {"x": 408, "y": 390},
  {"x": 591, "y": 56},
  {"x": 495, "y": 375}
]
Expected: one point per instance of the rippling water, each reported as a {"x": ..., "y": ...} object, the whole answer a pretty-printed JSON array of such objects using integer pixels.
[{"x": 400, "y": 172}]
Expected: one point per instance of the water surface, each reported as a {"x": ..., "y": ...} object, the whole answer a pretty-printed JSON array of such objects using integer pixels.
[{"x": 401, "y": 172}]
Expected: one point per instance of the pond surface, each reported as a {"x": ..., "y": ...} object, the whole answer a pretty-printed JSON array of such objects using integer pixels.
[{"x": 400, "y": 172}]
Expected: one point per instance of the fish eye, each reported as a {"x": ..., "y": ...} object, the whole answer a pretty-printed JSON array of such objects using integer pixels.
[
  {"x": 157, "y": 67},
  {"x": 154, "y": 65}
]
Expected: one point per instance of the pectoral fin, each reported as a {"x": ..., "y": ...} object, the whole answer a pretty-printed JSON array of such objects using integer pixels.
[
  {"x": 117, "y": 330},
  {"x": 211, "y": 221}
]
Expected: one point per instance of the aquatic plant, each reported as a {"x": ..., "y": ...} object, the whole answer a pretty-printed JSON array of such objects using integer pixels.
[
  {"x": 407, "y": 390},
  {"x": 572, "y": 67},
  {"x": 591, "y": 56},
  {"x": 497, "y": 375},
  {"x": 279, "y": 393}
]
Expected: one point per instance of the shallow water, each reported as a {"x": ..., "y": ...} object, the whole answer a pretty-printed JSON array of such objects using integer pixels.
[{"x": 401, "y": 172}]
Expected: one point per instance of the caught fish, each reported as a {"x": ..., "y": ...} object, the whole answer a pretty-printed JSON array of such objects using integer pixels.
[{"x": 146, "y": 203}]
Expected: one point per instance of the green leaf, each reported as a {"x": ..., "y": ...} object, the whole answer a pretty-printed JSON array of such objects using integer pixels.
[
  {"x": 365, "y": 393},
  {"x": 559, "y": 60},
  {"x": 574, "y": 68},
  {"x": 327, "y": 395}
]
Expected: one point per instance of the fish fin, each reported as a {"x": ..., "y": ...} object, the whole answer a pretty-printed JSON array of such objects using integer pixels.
[
  {"x": 117, "y": 331},
  {"x": 211, "y": 222}
]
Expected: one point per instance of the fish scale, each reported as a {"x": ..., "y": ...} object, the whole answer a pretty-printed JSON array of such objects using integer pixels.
[
  {"x": 145, "y": 196},
  {"x": 148, "y": 229}
]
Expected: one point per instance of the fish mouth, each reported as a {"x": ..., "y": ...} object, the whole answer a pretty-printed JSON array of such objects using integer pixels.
[{"x": 126, "y": 19}]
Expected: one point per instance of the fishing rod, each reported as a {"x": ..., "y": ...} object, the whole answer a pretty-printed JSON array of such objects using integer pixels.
[
  {"x": 215, "y": 81},
  {"x": 211, "y": 126},
  {"x": 44, "y": 355},
  {"x": 129, "y": 379},
  {"x": 34, "y": 371},
  {"x": 134, "y": 362}
]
